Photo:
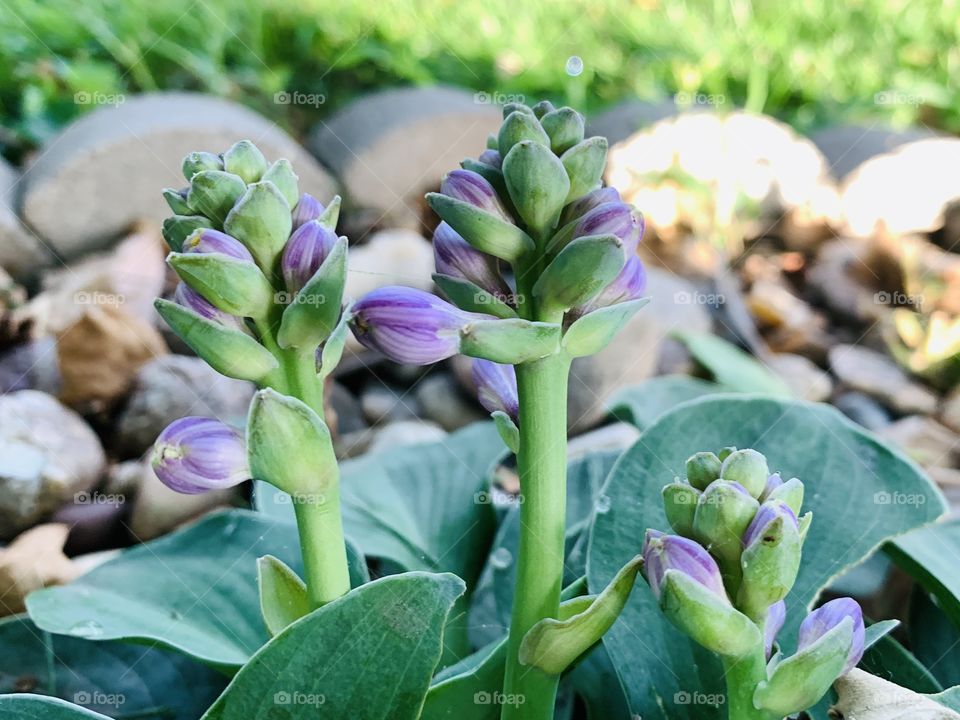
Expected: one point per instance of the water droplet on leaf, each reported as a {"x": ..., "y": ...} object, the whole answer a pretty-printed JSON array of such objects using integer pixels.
[
  {"x": 602, "y": 506},
  {"x": 501, "y": 558},
  {"x": 86, "y": 629}
]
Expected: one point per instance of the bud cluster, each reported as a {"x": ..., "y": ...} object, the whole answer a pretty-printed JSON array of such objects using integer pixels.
[{"x": 723, "y": 577}]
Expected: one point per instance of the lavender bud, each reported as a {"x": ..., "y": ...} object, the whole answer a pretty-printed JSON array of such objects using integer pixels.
[
  {"x": 615, "y": 218},
  {"x": 773, "y": 482},
  {"x": 582, "y": 205},
  {"x": 491, "y": 158},
  {"x": 214, "y": 241},
  {"x": 629, "y": 284},
  {"x": 828, "y": 616},
  {"x": 456, "y": 257},
  {"x": 192, "y": 300},
  {"x": 304, "y": 252},
  {"x": 497, "y": 387},
  {"x": 307, "y": 209},
  {"x": 776, "y": 616},
  {"x": 474, "y": 189},
  {"x": 672, "y": 552},
  {"x": 766, "y": 516},
  {"x": 196, "y": 454},
  {"x": 408, "y": 325}
]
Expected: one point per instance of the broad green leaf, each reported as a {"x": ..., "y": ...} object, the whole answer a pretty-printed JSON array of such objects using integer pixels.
[
  {"x": 38, "y": 707},
  {"x": 194, "y": 591},
  {"x": 113, "y": 678},
  {"x": 731, "y": 366},
  {"x": 365, "y": 656},
  {"x": 929, "y": 554},
  {"x": 935, "y": 641},
  {"x": 890, "y": 660},
  {"x": 642, "y": 404},
  {"x": 851, "y": 480}
]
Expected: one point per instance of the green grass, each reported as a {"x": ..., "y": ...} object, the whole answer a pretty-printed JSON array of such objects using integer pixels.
[{"x": 809, "y": 62}]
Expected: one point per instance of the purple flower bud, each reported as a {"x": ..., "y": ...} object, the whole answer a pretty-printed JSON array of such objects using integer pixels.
[
  {"x": 768, "y": 513},
  {"x": 773, "y": 482},
  {"x": 613, "y": 218},
  {"x": 472, "y": 188},
  {"x": 308, "y": 208},
  {"x": 629, "y": 284},
  {"x": 584, "y": 204},
  {"x": 828, "y": 616},
  {"x": 214, "y": 241},
  {"x": 196, "y": 454},
  {"x": 456, "y": 257},
  {"x": 496, "y": 387},
  {"x": 408, "y": 325},
  {"x": 192, "y": 300},
  {"x": 491, "y": 158},
  {"x": 776, "y": 616},
  {"x": 304, "y": 252},
  {"x": 672, "y": 552}
]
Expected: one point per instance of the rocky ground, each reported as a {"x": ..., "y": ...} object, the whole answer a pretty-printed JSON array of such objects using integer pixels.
[{"x": 832, "y": 259}]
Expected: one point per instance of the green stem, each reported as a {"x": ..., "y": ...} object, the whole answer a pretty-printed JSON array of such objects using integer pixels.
[
  {"x": 742, "y": 675},
  {"x": 529, "y": 693}
]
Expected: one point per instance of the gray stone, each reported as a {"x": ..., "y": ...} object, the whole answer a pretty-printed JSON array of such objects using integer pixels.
[
  {"x": 30, "y": 366},
  {"x": 21, "y": 251},
  {"x": 805, "y": 379},
  {"x": 925, "y": 440},
  {"x": 863, "y": 410},
  {"x": 174, "y": 386},
  {"x": 383, "y": 404},
  {"x": 444, "y": 403},
  {"x": 950, "y": 410},
  {"x": 391, "y": 257},
  {"x": 624, "y": 119},
  {"x": 47, "y": 455},
  {"x": 389, "y": 148},
  {"x": 876, "y": 375},
  {"x": 104, "y": 171},
  {"x": 347, "y": 408},
  {"x": 406, "y": 432}
]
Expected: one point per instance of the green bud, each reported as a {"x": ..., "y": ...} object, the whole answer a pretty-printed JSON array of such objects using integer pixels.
[
  {"x": 565, "y": 128},
  {"x": 542, "y": 108},
  {"x": 283, "y": 595},
  {"x": 331, "y": 214},
  {"x": 519, "y": 126},
  {"x": 791, "y": 492},
  {"x": 472, "y": 298},
  {"x": 508, "y": 430},
  {"x": 592, "y": 332},
  {"x": 584, "y": 163},
  {"x": 705, "y": 617},
  {"x": 770, "y": 566},
  {"x": 493, "y": 143},
  {"x": 724, "y": 512},
  {"x": 702, "y": 469},
  {"x": 512, "y": 107},
  {"x": 198, "y": 162},
  {"x": 261, "y": 220},
  {"x": 578, "y": 272},
  {"x": 289, "y": 445},
  {"x": 229, "y": 351},
  {"x": 509, "y": 342},
  {"x": 553, "y": 645},
  {"x": 214, "y": 193},
  {"x": 537, "y": 183},
  {"x": 747, "y": 467},
  {"x": 178, "y": 228},
  {"x": 314, "y": 311},
  {"x": 726, "y": 452},
  {"x": 485, "y": 231},
  {"x": 799, "y": 682},
  {"x": 680, "y": 505},
  {"x": 245, "y": 159},
  {"x": 235, "y": 286},
  {"x": 282, "y": 175},
  {"x": 803, "y": 524},
  {"x": 332, "y": 349},
  {"x": 177, "y": 201}
]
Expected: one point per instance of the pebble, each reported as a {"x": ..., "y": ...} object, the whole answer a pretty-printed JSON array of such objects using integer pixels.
[
  {"x": 442, "y": 401},
  {"x": 407, "y": 432},
  {"x": 805, "y": 379},
  {"x": 863, "y": 410},
  {"x": 871, "y": 372}
]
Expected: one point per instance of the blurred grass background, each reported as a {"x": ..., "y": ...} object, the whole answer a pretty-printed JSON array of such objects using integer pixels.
[{"x": 809, "y": 63}]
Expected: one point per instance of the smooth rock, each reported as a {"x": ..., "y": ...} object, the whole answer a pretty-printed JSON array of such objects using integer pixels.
[
  {"x": 925, "y": 440},
  {"x": 950, "y": 410},
  {"x": 175, "y": 386},
  {"x": 805, "y": 379},
  {"x": 624, "y": 119},
  {"x": 443, "y": 402},
  {"x": 616, "y": 436},
  {"x": 391, "y": 257},
  {"x": 158, "y": 510},
  {"x": 843, "y": 278},
  {"x": 347, "y": 408},
  {"x": 407, "y": 432},
  {"x": 47, "y": 455},
  {"x": 101, "y": 354},
  {"x": 788, "y": 323},
  {"x": 30, "y": 366},
  {"x": 863, "y": 410},
  {"x": 389, "y": 148},
  {"x": 32, "y": 561},
  {"x": 21, "y": 251},
  {"x": 383, "y": 404},
  {"x": 95, "y": 520},
  {"x": 104, "y": 171},
  {"x": 876, "y": 375}
]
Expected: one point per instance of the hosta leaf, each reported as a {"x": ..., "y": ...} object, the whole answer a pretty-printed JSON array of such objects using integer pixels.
[
  {"x": 934, "y": 640},
  {"x": 929, "y": 554},
  {"x": 113, "y": 678},
  {"x": 194, "y": 591},
  {"x": 731, "y": 366},
  {"x": 641, "y": 404},
  {"x": 365, "y": 656},
  {"x": 38, "y": 707},
  {"x": 861, "y": 494}
]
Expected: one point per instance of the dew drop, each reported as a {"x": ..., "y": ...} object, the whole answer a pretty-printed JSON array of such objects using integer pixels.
[
  {"x": 501, "y": 558},
  {"x": 602, "y": 505},
  {"x": 86, "y": 629},
  {"x": 574, "y": 65}
]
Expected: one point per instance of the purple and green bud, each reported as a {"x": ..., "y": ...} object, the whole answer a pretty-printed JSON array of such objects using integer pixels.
[
  {"x": 214, "y": 241},
  {"x": 584, "y": 163},
  {"x": 491, "y": 158},
  {"x": 408, "y": 325},
  {"x": 662, "y": 553},
  {"x": 828, "y": 616},
  {"x": 616, "y": 218},
  {"x": 584, "y": 204},
  {"x": 307, "y": 208},
  {"x": 304, "y": 253},
  {"x": 629, "y": 284},
  {"x": 496, "y": 387},
  {"x": 769, "y": 514},
  {"x": 192, "y": 300},
  {"x": 473, "y": 189},
  {"x": 457, "y": 258},
  {"x": 724, "y": 511},
  {"x": 776, "y": 617},
  {"x": 196, "y": 454},
  {"x": 771, "y": 558}
]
